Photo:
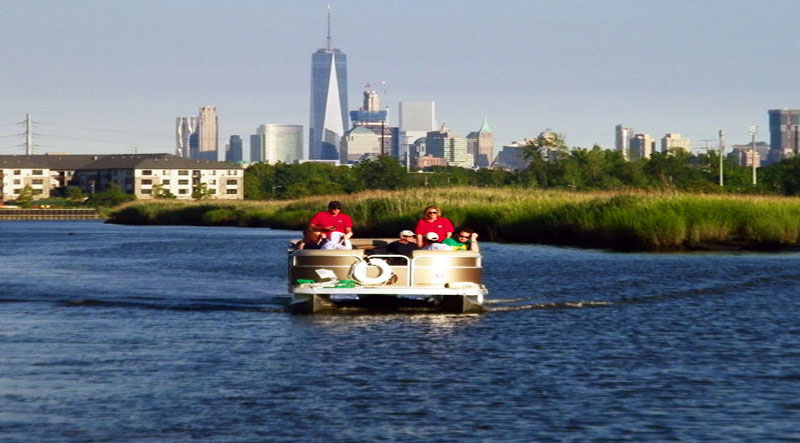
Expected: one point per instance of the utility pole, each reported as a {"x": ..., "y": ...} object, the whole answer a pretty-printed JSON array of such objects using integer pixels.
[
  {"x": 753, "y": 131},
  {"x": 28, "y": 135},
  {"x": 721, "y": 156}
]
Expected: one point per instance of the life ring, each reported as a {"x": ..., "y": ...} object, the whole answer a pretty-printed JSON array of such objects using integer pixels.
[{"x": 360, "y": 272}]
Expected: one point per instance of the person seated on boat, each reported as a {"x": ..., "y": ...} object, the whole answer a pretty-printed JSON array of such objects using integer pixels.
[
  {"x": 337, "y": 240},
  {"x": 332, "y": 220},
  {"x": 404, "y": 246},
  {"x": 432, "y": 221},
  {"x": 432, "y": 243},
  {"x": 312, "y": 239},
  {"x": 465, "y": 239}
]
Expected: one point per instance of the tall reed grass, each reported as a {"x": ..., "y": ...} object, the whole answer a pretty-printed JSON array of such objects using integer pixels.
[{"x": 624, "y": 221}]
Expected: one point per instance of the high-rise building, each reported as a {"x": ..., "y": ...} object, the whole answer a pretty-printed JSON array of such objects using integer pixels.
[
  {"x": 357, "y": 142},
  {"x": 255, "y": 148},
  {"x": 481, "y": 145},
  {"x": 622, "y": 140},
  {"x": 446, "y": 144},
  {"x": 784, "y": 134},
  {"x": 207, "y": 134},
  {"x": 234, "y": 151},
  {"x": 673, "y": 141},
  {"x": 642, "y": 147},
  {"x": 416, "y": 119},
  {"x": 328, "y": 119},
  {"x": 280, "y": 143},
  {"x": 184, "y": 128}
]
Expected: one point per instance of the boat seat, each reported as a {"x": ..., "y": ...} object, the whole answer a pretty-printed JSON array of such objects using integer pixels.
[
  {"x": 435, "y": 253},
  {"x": 330, "y": 252}
]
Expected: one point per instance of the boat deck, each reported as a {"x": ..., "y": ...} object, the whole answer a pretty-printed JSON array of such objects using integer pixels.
[{"x": 321, "y": 280}]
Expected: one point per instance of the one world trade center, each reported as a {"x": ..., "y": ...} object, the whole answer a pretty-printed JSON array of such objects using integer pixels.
[{"x": 328, "y": 101}]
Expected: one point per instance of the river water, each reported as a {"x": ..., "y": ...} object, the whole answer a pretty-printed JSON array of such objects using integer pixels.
[{"x": 131, "y": 333}]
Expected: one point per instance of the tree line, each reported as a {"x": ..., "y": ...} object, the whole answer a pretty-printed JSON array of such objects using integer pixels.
[{"x": 572, "y": 169}]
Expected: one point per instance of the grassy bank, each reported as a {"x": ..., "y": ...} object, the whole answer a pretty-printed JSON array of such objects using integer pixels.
[{"x": 612, "y": 220}]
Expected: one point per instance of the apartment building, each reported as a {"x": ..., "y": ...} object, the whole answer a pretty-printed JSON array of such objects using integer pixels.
[{"x": 142, "y": 175}]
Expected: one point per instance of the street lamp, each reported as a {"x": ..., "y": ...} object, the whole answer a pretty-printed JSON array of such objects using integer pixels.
[
  {"x": 753, "y": 131},
  {"x": 721, "y": 155}
]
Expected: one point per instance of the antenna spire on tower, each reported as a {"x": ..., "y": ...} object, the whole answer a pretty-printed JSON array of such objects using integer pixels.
[{"x": 329, "y": 27}]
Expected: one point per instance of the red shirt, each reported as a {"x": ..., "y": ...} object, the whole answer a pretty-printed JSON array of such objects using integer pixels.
[
  {"x": 440, "y": 226},
  {"x": 326, "y": 219}
]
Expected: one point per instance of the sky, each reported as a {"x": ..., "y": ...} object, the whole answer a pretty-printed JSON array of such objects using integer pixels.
[{"x": 102, "y": 76}]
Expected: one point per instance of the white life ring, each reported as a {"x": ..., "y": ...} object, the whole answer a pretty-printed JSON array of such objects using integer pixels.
[{"x": 360, "y": 272}]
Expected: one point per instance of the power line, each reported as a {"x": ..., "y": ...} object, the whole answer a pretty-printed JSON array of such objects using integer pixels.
[
  {"x": 107, "y": 130},
  {"x": 127, "y": 143}
]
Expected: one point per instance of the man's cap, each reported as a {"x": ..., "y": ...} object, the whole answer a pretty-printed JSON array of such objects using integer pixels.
[
  {"x": 335, "y": 205},
  {"x": 406, "y": 233},
  {"x": 432, "y": 236}
]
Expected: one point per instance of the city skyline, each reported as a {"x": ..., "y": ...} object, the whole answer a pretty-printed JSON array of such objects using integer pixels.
[{"x": 111, "y": 78}]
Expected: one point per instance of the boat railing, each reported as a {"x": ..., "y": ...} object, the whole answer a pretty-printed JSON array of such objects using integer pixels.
[{"x": 425, "y": 268}]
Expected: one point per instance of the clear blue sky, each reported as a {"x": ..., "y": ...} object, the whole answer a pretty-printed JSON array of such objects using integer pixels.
[{"x": 577, "y": 67}]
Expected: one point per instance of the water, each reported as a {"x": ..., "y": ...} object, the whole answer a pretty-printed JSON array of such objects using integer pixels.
[{"x": 120, "y": 333}]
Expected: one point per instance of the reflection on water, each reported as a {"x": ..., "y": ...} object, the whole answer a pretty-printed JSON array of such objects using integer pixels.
[{"x": 176, "y": 333}]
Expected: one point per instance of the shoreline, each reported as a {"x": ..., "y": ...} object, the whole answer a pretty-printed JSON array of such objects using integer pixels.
[{"x": 615, "y": 221}]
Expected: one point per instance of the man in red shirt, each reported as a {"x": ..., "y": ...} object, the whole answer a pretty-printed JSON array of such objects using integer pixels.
[{"x": 333, "y": 220}]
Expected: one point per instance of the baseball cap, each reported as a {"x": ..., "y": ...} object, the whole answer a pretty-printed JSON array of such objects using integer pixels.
[
  {"x": 335, "y": 205},
  {"x": 432, "y": 236},
  {"x": 406, "y": 233}
]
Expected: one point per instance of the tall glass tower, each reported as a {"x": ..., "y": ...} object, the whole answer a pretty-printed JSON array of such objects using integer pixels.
[{"x": 328, "y": 119}]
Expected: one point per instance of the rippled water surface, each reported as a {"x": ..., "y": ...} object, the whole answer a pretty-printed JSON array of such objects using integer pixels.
[{"x": 120, "y": 333}]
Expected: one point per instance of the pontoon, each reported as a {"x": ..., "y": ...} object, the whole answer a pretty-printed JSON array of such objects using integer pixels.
[{"x": 366, "y": 277}]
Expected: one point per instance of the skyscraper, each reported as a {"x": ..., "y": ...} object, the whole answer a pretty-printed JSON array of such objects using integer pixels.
[
  {"x": 416, "y": 120},
  {"x": 207, "y": 134},
  {"x": 280, "y": 143},
  {"x": 446, "y": 144},
  {"x": 184, "y": 128},
  {"x": 328, "y": 119},
  {"x": 673, "y": 141},
  {"x": 481, "y": 145},
  {"x": 622, "y": 140},
  {"x": 784, "y": 134},
  {"x": 234, "y": 150}
]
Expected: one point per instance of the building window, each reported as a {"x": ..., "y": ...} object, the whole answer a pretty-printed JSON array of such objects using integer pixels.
[
  {"x": 37, "y": 191},
  {"x": 147, "y": 182},
  {"x": 212, "y": 191},
  {"x": 17, "y": 181},
  {"x": 37, "y": 181},
  {"x": 165, "y": 172},
  {"x": 232, "y": 182},
  {"x": 147, "y": 191},
  {"x": 164, "y": 182},
  {"x": 183, "y": 172},
  {"x": 183, "y": 191},
  {"x": 17, "y": 172},
  {"x": 147, "y": 172},
  {"x": 183, "y": 182},
  {"x": 36, "y": 172},
  {"x": 17, "y": 191},
  {"x": 231, "y": 191},
  {"x": 212, "y": 182}
]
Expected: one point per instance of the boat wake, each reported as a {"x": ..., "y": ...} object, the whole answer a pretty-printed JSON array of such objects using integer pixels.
[
  {"x": 268, "y": 304},
  {"x": 552, "y": 305}
]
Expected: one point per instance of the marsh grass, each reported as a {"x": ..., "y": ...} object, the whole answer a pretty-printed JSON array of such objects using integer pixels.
[{"x": 625, "y": 221}]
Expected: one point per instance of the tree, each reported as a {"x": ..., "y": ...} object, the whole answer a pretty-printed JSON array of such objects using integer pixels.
[
  {"x": 111, "y": 196},
  {"x": 75, "y": 193},
  {"x": 201, "y": 192},
  {"x": 382, "y": 172},
  {"x": 25, "y": 196},
  {"x": 161, "y": 193}
]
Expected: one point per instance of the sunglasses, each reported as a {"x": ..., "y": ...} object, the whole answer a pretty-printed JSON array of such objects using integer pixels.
[
  {"x": 463, "y": 236},
  {"x": 431, "y": 212}
]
